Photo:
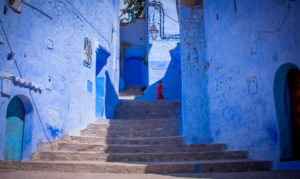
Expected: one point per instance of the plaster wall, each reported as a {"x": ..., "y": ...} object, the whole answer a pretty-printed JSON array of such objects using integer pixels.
[
  {"x": 65, "y": 105},
  {"x": 245, "y": 43},
  {"x": 134, "y": 33}
]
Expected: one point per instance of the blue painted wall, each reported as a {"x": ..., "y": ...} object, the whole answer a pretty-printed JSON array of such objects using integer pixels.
[
  {"x": 243, "y": 48},
  {"x": 171, "y": 80},
  {"x": 52, "y": 47},
  {"x": 195, "y": 97}
]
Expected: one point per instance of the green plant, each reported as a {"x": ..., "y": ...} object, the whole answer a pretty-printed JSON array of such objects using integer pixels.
[{"x": 136, "y": 7}]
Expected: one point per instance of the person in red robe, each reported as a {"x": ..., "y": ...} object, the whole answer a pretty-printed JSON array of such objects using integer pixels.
[{"x": 159, "y": 90}]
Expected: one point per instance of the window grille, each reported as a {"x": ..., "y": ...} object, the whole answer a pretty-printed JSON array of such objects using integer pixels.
[{"x": 87, "y": 52}]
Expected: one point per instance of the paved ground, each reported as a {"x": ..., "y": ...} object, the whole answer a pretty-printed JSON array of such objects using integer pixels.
[{"x": 4, "y": 174}]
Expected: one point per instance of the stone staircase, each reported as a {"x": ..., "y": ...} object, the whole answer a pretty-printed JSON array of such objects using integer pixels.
[
  {"x": 144, "y": 138},
  {"x": 131, "y": 92}
]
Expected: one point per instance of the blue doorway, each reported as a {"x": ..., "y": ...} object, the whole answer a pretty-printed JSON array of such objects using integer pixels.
[
  {"x": 14, "y": 130},
  {"x": 133, "y": 71},
  {"x": 102, "y": 56}
]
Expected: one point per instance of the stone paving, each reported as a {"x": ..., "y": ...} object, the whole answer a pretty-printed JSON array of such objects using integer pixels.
[{"x": 4, "y": 174}]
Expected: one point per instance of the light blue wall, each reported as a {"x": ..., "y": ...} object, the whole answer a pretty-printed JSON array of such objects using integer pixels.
[
  {"x": 134, "y": 33},
  {"x": 248, "y": 44},
  {"x": 65, "y": 105},
  {"x": 164, "y": 54},
  {"x": 171, "y": 80}
]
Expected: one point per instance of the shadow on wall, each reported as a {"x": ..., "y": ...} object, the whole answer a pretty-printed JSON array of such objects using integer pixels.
[
  {"x": 283, "y": 111},
  {"x": 171, "y": 81},
  {"x": 111, "y": 97},
  {"x": 101, "y": 60}
]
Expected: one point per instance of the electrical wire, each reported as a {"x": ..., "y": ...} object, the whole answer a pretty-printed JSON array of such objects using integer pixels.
[
  {"x": 32, "y": 99},
  {"x": 281, "y": 24},
  {"x": 31, "y": 6},
  {"x": 87, "y": 21},
  {"x": 6, "y": 36},
  {"x": 171, "y": 18}
]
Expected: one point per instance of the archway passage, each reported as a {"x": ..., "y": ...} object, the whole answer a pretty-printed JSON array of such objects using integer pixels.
[
  {"x": 294, "y": 93},
  {"x": 14, "y": 130}
]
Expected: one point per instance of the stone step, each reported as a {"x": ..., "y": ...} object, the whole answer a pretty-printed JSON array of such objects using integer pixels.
[
  {"x": 158, "y": 132},
  {"x": 149, "y": 110},
  {"x": 113, "y": 148},
  {"x": 150, "y": 116},
  {"x": 135, "y": 127},
  {"x": 127, "y": 141},
  {"x": 147, "y": 113},
  {"x": 144, "y": 121},
  {"x": 150, "y": 167},
  {"x": 137, "y": 157},
  {"x": 147, "y": 104},
  {"x": 152, "y": 108},
  {"x": 131, "y": 93}
]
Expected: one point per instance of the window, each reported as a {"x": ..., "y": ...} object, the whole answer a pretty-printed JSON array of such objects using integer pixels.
[{"x": 87, "y": 53}]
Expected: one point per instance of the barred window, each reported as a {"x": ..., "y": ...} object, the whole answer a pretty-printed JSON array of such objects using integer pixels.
[{"x": 87, "y": 56}]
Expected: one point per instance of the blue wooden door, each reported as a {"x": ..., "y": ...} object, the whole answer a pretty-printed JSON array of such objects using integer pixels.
[
  {"x": 133, "y": 74},
  {"x": 14, "y": 130},
  {"x": 100, "y": 86}
]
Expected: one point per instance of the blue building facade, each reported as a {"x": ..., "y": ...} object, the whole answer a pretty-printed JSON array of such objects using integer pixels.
[
  {"x": 58, "y": 64},
  {"x": 236, "y": 56},
  {"x": 228, "y": 62}
]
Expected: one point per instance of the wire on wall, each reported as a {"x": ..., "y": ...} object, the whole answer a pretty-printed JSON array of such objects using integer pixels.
[
  {"x": 158, "y": 5},
  {"x": 20, "y": 74},
  {"x": 87, "y": 21},
  {"x": 35, "y": 8}
]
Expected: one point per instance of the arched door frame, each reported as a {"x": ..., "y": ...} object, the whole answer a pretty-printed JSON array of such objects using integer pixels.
[
  {"x": 28, "y": 124},
  {"x": 281, "y": 100}
]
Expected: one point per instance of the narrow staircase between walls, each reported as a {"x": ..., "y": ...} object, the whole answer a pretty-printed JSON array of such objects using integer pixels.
[{"x": 143, "y": 138}]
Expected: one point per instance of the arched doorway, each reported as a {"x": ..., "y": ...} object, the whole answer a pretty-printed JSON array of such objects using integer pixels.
[
  {"x": 287, "y": 103},
  {"x": 14, "y": 130},
  {"x": 133, "y": 71},
  {"x": 293, "y": 78}
]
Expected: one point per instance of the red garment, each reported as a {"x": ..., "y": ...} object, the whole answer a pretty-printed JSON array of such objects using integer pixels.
[{"x": 160, "y": 95}]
